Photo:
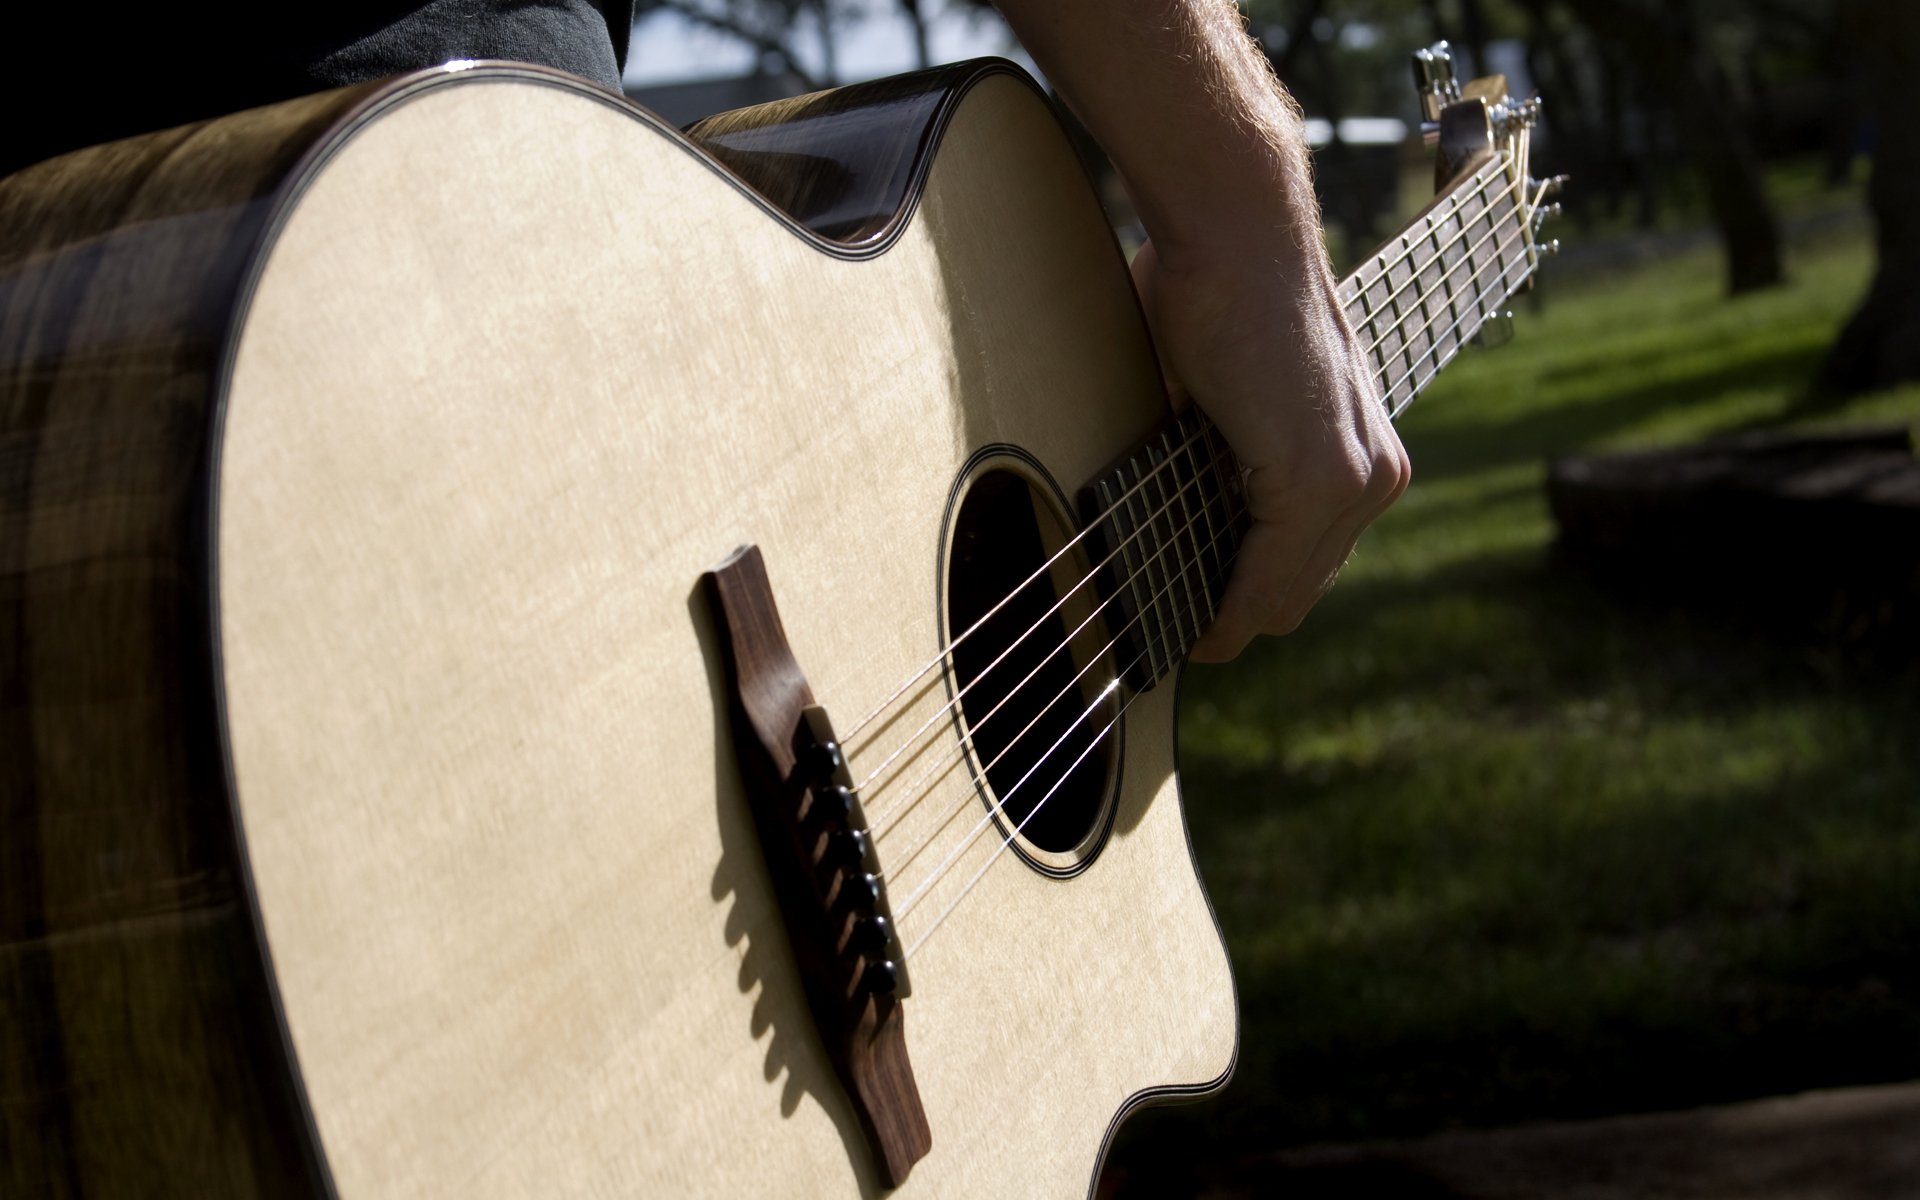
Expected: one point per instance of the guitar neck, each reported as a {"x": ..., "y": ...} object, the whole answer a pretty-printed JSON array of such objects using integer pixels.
[
  {"x": 1431, "y": 286},
  {"x": 1167, "y": 523}
]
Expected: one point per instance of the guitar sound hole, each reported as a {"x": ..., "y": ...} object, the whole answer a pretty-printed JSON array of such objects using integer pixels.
[{"x": 1035, "y": 702}]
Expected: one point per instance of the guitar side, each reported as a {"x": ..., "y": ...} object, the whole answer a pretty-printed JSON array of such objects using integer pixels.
[{"x": 482, "y": 432}]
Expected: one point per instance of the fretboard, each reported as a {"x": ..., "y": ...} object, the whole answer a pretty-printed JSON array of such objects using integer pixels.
[
  {"x": 1166, "y": 524},
  {"x": 1428, "y": 290}
]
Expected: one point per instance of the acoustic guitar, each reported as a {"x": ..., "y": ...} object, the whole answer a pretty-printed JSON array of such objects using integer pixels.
[{"x": 535, "y": 641}]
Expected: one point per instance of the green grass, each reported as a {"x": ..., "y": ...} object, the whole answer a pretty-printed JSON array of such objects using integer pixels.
[{"x": 1489, "y": 846}]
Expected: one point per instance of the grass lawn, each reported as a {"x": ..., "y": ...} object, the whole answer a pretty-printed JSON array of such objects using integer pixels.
[{"x": 1489, "y": 846}]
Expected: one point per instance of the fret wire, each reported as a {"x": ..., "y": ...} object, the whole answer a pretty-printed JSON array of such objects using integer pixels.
[
  {"x": 1210, "y": 577},
  {"x": 1354, "y": 282},
  {"x": 1149, "y": 459},
  {"x": 1123, "y": 532},
  {"x": 1194, "y": 564},
  {"x": 1143, "y": 464},
  {"x": 1113, "y": 516},
  {"x": 1119, "y": 636},
  {"x": 1196, "y": 622},
  {"x": 1197, "y": 600},
  {"x": 1493, "y": 228},
  {"x": 1502, "y": 291},
  {"x": 1153, "y": 627},
  {"x": 1466, "y": 196},
  {"x": 1191, "y": 431},
  {"x": 1495, "y": 175}
]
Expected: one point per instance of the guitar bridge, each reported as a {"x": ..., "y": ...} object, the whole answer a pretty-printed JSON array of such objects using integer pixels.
[{"x": 820, "y": 854}]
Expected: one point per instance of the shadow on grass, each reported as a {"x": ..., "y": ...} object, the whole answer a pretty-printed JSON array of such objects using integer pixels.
[
  {"x": 1526, "y": 962},
  {"x": 1452, "y": 449},
  {"x": 1490, "y": 846}
]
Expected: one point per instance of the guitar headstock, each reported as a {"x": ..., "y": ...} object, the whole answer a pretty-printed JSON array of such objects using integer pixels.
[{"x": 1469, "y": 122}]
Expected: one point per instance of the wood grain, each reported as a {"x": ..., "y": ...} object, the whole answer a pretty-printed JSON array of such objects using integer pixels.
[
  {"x": 479, "y": 449},
  {"x": 140, "y": 1053},
  {"x": 503, "y": 365}
]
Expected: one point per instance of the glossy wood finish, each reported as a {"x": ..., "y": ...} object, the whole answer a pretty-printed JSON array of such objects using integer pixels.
[
  {"x": 552, "y": 1026},
  {"x": 847, "y": 163},
  {"x": 479, "y": 448},
  {"x": 139, "y": 1051}
]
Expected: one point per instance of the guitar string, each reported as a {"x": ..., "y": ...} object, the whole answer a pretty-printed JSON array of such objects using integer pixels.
[
  {"x": 1524, "y": 209},
  {"x": 940, "y": 869},
  {"x": 945, "y": 865},
  {"x": 910, "y": 951},
  {"x": 960, "y": 745},
  {"x": 1173, "y": 545},
  {"x": 1495, "y": 177},
  {"x": 886, "y": 703},
  {"x": 865, "y": 788},
  {"x": 1094, "y": 660},
  {"x": 1494, "y": 169},
  {"x": 965, "y": 799},
  {"x": 1039, "y": 573},
  {"x": 1524, "y": 205},
  {"x": 1495, "y": 182},
  {"x": 1458, "y": 323},
  {"x": 1527, "y": 207},
  {"x": 941, "y": 765},
  {"x": 1494, "y": 227}
]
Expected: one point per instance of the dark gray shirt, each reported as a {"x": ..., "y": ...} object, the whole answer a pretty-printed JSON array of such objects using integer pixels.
[{"x": 82, "y": 73}]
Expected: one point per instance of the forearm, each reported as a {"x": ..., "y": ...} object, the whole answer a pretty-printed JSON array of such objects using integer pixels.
[
  {"x": 1235, "y": 281},
  {"x": 1211, "y": 146}
]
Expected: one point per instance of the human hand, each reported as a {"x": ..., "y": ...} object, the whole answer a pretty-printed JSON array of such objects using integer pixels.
[{"x": 1258, "y": 340}]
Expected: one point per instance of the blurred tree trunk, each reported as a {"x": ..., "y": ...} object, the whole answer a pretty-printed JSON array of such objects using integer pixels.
[
  {"x": 917, "y": 22},
  {"x": 1881, "y": 343},
  {"x": 1667, "y": 60},
  {"x": 829, "y": 55}
]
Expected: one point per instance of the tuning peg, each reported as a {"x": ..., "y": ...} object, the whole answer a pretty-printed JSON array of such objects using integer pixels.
[
  {"x": 1543, "y": 214},
  {"x": 1433, "y": 79},
  {"x": 1547, "y": 187},
  {"x": 1510, "y": 115},
  {"x": 1549, "y": 249}
]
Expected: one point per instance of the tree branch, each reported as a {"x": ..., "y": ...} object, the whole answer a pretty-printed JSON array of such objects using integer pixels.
[{"x": 721, "y": 22}]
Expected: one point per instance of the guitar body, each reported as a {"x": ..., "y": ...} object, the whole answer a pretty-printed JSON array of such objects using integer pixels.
[{"x": 373, "y": 818}]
